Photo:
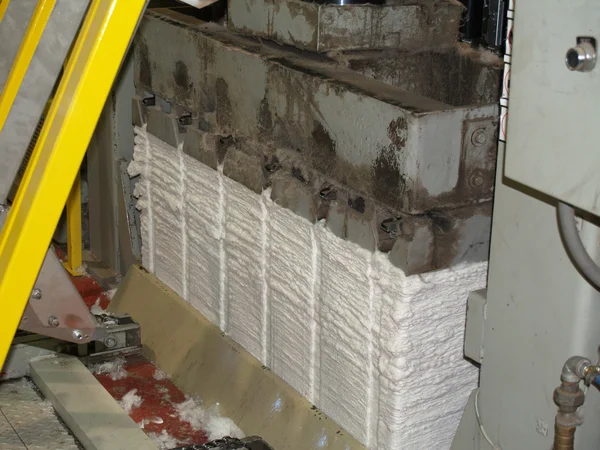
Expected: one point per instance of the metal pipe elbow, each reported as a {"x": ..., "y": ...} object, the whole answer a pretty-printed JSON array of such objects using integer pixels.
[{"x": 574, "y": 370}]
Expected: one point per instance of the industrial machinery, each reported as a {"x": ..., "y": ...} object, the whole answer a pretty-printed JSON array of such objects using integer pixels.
[{"x": 296, "y": 198}]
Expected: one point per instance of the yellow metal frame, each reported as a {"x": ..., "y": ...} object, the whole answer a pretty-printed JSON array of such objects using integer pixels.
[
  {"x": 34, "y": 32},
  {"x": 91, "y": 70},
  {"x": 74, "y": 238}
]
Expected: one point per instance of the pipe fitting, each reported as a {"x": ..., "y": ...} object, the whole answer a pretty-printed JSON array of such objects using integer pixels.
[
  {"x": 568, "y": 397},
  {"x": 574, "y": 370}
]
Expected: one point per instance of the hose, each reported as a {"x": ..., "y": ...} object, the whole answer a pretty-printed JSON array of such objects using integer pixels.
[{"x": 572, "y": 241}]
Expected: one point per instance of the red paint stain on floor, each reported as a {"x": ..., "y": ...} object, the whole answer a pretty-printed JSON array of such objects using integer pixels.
[
  {"x": 159, "y": 398},
  {"x": 88, "y": 288},
  {"x": 91, "y": 291}
]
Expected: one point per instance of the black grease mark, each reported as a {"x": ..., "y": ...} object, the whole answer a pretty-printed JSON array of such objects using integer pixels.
[
  {"x": 387, "y": 180},
  {"x": 182, "y": 78},
  {"x": 145, "y": 74},
  {"x": 297, "y": 174},
  {"x": 272, "y": 165},
  {"x": 224, "y": 111},
  {"x": 441, "y": 222},
  {"x": 265, "y": 118},
  {"x": 398, "y": 132},
  {"x": 358, "y": 204},
  {"x": 324, "y": 153}
]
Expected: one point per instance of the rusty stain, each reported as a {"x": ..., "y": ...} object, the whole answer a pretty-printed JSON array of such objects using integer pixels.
[{"x": 72, "y": 321}]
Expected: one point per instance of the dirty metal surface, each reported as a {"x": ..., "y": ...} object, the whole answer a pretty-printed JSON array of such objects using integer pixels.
[
  {"x": 398, "y": 147},
  {"x": 28, "y": 422},
  {"x": 330, "y": 143},
  {"x": 9, "y": 439},
  {"x": 459, "y": 76},
  {"x": 329, "y": 27}
]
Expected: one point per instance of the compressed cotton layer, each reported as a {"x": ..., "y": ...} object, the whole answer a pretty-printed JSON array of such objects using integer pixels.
[
  {"x": 244, "y": 254},
  {"x": 345, "y": 331},
  {"x": 292, "y": 286},
  {"x": 204, "y": 241},
  {"x": 379, "y": 352}
]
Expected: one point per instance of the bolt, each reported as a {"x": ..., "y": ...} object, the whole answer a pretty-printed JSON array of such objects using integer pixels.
[
  {"x": 476, "y": 180},
  {"x": 36, "y": 294},
  {"x": 78, "y": 335},
  {"x": 110, "y": 342},
  {"x": 479, "y": 137},
  {"x": 53, "y": 321},
  {"x": 2, "y": 208}
]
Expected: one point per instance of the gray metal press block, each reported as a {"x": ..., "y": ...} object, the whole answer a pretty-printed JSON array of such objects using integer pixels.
[
  {"x": 330, "y": 143},
  {"x": 310, "y": 26},
  {"x": 407, "y": 151}
]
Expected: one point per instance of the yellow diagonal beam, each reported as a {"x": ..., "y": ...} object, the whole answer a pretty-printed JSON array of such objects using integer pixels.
[
  {"x": 34, "y": 32},
  {"x": 90, "y": 72}
]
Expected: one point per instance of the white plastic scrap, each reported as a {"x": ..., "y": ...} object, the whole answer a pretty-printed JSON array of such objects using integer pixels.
[
  {"x": 160, "y": 375},
  {"x": 131, "y": 401},
  {"x": 97, "y": 310},
  {"x": 164, "y": 440},
  {"x": 114, "y": 368},
  {"x": 208, "y": 420}
]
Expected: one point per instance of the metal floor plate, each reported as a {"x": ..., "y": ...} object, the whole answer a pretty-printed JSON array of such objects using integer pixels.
[{"x": 29, "y": 423}]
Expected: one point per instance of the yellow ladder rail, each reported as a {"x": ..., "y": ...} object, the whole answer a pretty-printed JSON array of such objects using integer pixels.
[
  {"x": 91, "y": 70},
  {"x": 3, "y": 6},
  {"x": 26, "y": 50},
  {"x": 74, "y": 236}
]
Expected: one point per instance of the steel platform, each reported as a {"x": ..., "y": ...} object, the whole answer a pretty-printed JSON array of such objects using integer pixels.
[{"x": 28, "y": 422}]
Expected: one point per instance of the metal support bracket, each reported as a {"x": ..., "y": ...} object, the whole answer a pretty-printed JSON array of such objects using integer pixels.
[
  {"x": 123, "y": 338},
  {"x": 56, "y": 309},
  {"x": 476, "y": 307}
]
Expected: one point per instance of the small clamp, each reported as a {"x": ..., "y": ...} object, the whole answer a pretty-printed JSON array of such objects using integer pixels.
[{"x": 392, "y": 226}]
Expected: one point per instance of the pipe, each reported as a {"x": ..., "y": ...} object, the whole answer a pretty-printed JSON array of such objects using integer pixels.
[
  {"x": 581, "y": 258},
  {"x": 564, "y": 437},
  {"x": 569, "y": 397}
]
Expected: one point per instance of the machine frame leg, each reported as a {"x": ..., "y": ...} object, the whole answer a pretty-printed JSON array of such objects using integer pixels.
[
  {"x": 74, "y": 237},
  {"x": 100, "y": 47}
]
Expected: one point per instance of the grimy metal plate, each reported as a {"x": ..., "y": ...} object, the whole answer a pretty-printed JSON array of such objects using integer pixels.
[{"x": 28, "y": 422}]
